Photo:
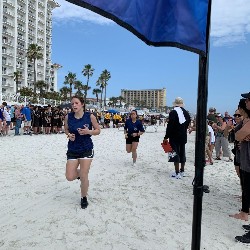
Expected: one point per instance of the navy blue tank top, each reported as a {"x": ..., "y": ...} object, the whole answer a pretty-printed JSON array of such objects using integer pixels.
[{"x": 81, "y": 142}]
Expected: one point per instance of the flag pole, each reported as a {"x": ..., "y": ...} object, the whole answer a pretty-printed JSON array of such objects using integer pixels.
[{"x": 201, "y": 127}]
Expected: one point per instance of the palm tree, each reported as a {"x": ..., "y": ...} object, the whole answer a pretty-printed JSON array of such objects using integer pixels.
[
  {"x": 87, "y": 71},
  {"x": 113, "y": 100},
  {"x": 106, "y": 76},
  {"x": 96, "y": 92},
  {"x": 34, "y": 53},
  {"x": 120, "y": 98},
  {"x": 64, "y": 91},
  {"x": 85, "y": 88},
  {"x": 41, "y": 85},
  {"x": 52, "y": 95},
  {"x": 17, "y": 75},
  {"x": 70, "y": 79},
  {"x": 100, "y": 82},
  {"x": 79, "y": 86},
  {"x": 25, "y": 91}
]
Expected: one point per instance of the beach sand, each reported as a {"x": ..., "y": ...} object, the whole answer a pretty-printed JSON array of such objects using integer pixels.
[{"x": 138, "y": 207}]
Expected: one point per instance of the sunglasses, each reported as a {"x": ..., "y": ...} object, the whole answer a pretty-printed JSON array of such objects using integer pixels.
[{"x": 237, "y": 115}]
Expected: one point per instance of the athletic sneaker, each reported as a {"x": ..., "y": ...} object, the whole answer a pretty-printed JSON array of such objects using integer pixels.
[
  {"x": 246, "y": 227},
  {"x": 84, "y": 202},
  {"x": 176, "y": 176},
  {"x": 134, "y": 164},
  {"x": 182, "y": 174},
  {"x": 244, "y": 238}
]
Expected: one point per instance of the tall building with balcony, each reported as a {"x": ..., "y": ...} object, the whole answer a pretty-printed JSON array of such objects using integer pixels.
[
  {"x": 24, "y": 22},
  {"x": 150, "y": 98}
]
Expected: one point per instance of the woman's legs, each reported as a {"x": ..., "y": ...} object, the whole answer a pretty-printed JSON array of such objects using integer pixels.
[
  {"x": 71, "y": 169},
  {"x": 128, "y": 148},
  {"x": 133, "y": 149},
  {"x": 84, "y": 175},
  {"x": 243, "y": 215}
]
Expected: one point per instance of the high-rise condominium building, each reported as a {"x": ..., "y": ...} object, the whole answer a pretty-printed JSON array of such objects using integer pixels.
[
  {"x": 151, "y": 98},
  {"x": 25, "y": 22}
]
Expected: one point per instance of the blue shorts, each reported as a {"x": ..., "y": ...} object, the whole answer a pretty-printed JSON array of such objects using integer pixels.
[{"x": 83, "y": 155}]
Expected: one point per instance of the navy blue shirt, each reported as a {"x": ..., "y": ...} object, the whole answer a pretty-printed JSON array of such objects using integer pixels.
[
  {"x": 81, "y": 142},
  {"x": 133, "y": 127}
]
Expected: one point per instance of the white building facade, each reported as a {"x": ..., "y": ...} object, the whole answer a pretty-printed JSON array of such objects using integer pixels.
[{"x": 24, "y": 22}]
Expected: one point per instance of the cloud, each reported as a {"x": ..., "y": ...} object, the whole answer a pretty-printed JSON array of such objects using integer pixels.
[
  {"x": 230, "y": 19},
  {"x": 68, "y": 12}
]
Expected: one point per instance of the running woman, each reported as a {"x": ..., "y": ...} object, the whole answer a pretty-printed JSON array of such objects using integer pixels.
[
  {"x": 133, "y": 129},
  {"x": 79, "y": 127}
]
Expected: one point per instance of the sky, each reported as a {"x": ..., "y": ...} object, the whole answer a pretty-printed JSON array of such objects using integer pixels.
[{"x": 81, "y": 37}]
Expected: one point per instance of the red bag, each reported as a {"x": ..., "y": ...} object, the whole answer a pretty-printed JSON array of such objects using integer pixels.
[{"x": 166, "y": 146}]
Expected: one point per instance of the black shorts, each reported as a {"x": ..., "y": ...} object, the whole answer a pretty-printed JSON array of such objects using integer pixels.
[
  {"x": 83, "y": 155},
  {"x": 106, "y": 121},
  {"x": 131, "y": 139},
  {"x": 180, "y": 153}
]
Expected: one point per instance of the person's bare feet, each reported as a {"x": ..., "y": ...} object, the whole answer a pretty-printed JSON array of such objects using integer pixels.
[{"x": 240, "y": 216}]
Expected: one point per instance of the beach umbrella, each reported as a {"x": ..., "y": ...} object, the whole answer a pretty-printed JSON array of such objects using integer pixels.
[
  {"x": 183, "y": 24},
  {"x": 112, "y": 111}
]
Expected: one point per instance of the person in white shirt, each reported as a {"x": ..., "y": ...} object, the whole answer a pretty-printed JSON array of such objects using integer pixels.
[
  {"x": 212, "y": 136},
  {"x": 6, "y": 114}
]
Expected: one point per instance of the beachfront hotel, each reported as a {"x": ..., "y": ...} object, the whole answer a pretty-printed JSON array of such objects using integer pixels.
[
  {"x": 151, "y": 98},
  {"x": 24, "y": 22}
]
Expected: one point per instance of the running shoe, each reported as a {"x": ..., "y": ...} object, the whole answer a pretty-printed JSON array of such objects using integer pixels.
[
  {"x": 84, "y": 202},
  {"x": 176, "y": 176},
  {"x": 182, "y": 173}
]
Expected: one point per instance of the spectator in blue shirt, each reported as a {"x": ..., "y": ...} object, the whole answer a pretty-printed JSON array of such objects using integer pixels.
[{"x": 27, "y": 120}]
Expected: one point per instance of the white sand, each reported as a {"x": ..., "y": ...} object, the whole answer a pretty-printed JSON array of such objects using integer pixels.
[{"x": 129, "y": 208}]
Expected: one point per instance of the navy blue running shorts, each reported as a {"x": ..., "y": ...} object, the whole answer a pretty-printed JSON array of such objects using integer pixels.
[{"x": 83, "y": 155}]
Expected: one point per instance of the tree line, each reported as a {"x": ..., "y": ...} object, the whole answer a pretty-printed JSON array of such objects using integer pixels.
[{"x": 34, "y": 53}]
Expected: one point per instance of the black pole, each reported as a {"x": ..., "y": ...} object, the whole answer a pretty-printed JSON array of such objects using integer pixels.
[
  {"x": 201, "y": 127},
  {"x": 199, "y": 153}
]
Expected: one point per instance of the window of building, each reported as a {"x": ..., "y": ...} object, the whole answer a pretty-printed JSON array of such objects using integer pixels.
[{"x": 5, "y": 39}]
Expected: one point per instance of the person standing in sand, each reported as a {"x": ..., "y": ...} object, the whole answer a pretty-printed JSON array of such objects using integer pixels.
[
  {"x": 79, "y": 127},
  {"x": 243, "y": 136},
  {"x": 176, "y": 132},
  {"x": 236, "y": 150},
  {"x": 133, "y": 129}
]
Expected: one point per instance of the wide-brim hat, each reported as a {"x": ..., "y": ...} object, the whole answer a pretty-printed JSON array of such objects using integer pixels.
[
  {"x": 246, "y": 95},
  {"x": 178, "y": 102}
]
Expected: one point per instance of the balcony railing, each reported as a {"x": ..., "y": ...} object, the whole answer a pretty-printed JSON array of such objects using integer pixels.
[{"x": 9, "y": 2}]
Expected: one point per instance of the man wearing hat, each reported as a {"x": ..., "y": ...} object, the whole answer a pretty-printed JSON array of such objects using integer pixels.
[
  {"x": 243, "y": 135},
  {"x": 211, "y": 115},
  {"x": 247, "y": 96},
  {"x": 176, "y": 132}
]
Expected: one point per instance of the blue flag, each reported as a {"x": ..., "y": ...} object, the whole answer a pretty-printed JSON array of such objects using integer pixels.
[{"x": 176, "y": 23}]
